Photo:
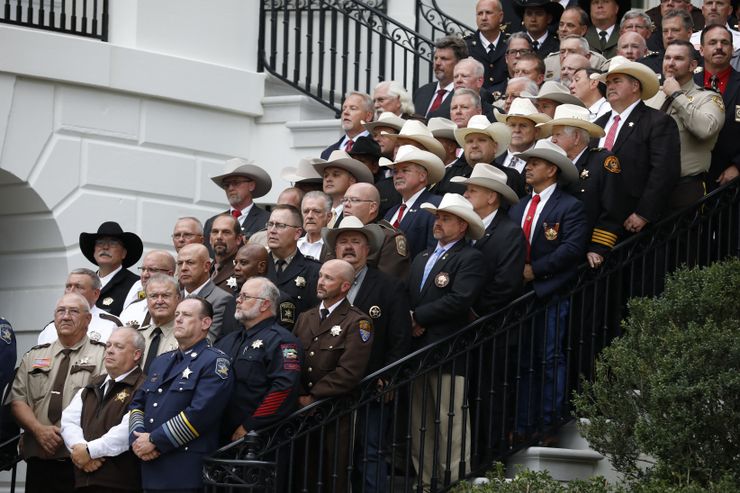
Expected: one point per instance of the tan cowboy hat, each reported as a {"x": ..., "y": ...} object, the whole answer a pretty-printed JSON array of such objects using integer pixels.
[
  {"x": 386, "y": 119},
  {"x": 554, "y": 91},
  {"x": 241, "y": 167},
  {"x": 416, "y": 131},
  {"x": 303, "y": 173},
  {"x": 570, "y": 115},
  {"x": 488, "y": 176},
  {"x": 410, "y": 154},
  {"x": 649, "y": 82},
  {"x": 340, "y": 159},
  {"x": 372, "y": 232},
  {"x": 456, "y": 204},
  {"x": 442, "y": 128},
  {"x": 544, "y": 149},
  {"x": 523, "y": 108},
  {"x": 479, "y": 124}
]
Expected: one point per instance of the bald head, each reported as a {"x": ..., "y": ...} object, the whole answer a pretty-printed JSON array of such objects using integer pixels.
[
  {"x": 335, "y": 279},
  {"x": 193, "y": 265},
  {"x": 364, "y": 211},
  {"x": 291, "y": 196},
  {"x": 632, "y": 46},
  {"x": 250, "y": 261},
  {"x": 157, "y": 262}
]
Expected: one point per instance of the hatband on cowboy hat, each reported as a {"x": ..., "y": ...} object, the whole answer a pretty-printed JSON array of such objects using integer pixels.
[
  {"x": 544, "y": 149},
  {"x": 241, "y": 167},
  {"x": 410, "y": 154},
  {"x": 341, "y": 159},
  {"x": 416, "y": 131},
  {"x": 570, "y": 115},
  {"x": 456, "y": 204},
  {"x": 372, "y": 232},
  {"x": 131, "y": 242},
  {"x": 479, "y": 124},
  {"x": 554, "y": 91},
  {"x": 386, "y": 119},
  {"x": 488, "y": 176},
  {"x": 649, "y": 83},
  {"x": 522, "y": 108}
]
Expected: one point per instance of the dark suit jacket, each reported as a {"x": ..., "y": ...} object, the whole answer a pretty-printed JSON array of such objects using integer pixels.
[
  {"x": 649, "y": 151},
  {"x": 592, "y": 36},
  {"x": 503, "y": 246},
  {"x": 558, "y": 242},
  {"x": 114, "y": 293},
  {"x": 224, "y": 307},
  {"x": 551, "y": 45},
  {"x": 227, "y": 270},
  {"x": 297, "y": 284},
  {"x": 254, "y": 222},
  {"x": 727, "y": 149},
  {"x": 442, "y": 305},
  {"x": 514, "y": 178},
  {"x": 417, "y": 224},
  {"x": 334, "y": 147},
  {"x": 423, "y": 98},
  {"x": 386, "y": 301},
  {"x": 496, "y": 72}
]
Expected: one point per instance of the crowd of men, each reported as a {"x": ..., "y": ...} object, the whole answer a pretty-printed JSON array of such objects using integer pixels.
[{"x": 532, "y": 153}]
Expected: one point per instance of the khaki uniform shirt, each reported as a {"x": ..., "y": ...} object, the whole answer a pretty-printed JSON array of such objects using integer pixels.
[
  {"x": 700, "y": 115},
  {"x": 35, "y": 378},
  {"x": 166, "y": 343}
]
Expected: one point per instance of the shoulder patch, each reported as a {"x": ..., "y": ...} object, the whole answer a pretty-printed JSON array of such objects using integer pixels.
[
  {"x": 222, "y": 368},
  {"x": 719, "y": 102},
  {"x": 6, "y": 333},
  {"x": 611, "y": 164},
  {"x": 39, "y": 346},
  {"x": 366, "y": 330},
  {"x": 291, "y": 361},
  {"x": 401, "y": 245},
  {"x": 286, "y": 312}
]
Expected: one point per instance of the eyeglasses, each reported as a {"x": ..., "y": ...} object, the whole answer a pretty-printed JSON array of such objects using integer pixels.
[
  {"x": 523, "y": 51},
  {"x": 279, "y": 226},
  {"x": 354, "y": 200},
  {"x": 244, "y": 297},
  {"x": 151, "y": 270},
  {"x": 184, "y": 236}
]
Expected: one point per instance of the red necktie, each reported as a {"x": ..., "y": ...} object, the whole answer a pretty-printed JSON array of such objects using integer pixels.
[
  {"x": 349, "y": 145},
  {"x": 528, "y": 220},
  {"x": 437, "y": 100},
  {"x": 612, "y": 135},
  {"x": 401, "y": 210},
  {"x": 236, "y": 213}
]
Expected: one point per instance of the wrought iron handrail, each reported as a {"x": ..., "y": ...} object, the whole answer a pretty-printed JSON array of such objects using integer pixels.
[
  {"x": 88, "y": 18},
  {"x": 434, "y": 22},
  {"x": 325, "y": 48},
  {"x": 493, "y": 355}
]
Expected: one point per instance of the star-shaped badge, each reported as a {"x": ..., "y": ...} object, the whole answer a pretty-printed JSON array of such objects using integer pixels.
[
  {"x": 257, "y": 344},
  {"x": 300, "y": 282},
  {"x": 231, "y": 282},
  {"x": 336, "y": 330},
  {"x": 186, "y": 372}
]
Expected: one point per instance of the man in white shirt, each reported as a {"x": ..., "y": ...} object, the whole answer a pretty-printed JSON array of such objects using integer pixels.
[
  {"x": 717, "y": 12},
  {"x": 592, "y": 92},
  {"x": 316, "y": 211},
  {"x": 155, "y": 262}
]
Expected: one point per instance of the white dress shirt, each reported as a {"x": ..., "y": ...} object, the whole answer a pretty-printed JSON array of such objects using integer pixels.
[
  {"x": 409, "y": 204},
  {"x": 99, "y": 329},
  {"x": 623, "y": 116},
  {"x": 544, "y": 197}
]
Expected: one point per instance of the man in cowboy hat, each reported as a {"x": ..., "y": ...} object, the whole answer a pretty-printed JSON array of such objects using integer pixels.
[
  {"x": 357, "y": 108},
  {"x": 243, "y": 182},
  {"x": 113, "y": 251},
  {"x": 536, "y": 16},
  {"x": 386, "y": 124},
  {"x": 521, "y": 120},
  {"x": 340, "y": 171},
  {"x": 413, "y": 171},
  {"x": 385, "y": 300},
  {"x": 554, "y": 225},
  {"x": 599, "y": 185},
  {"x": 444, "y": 282},
  {"x": 303, "y": 176},
  {"x": 415, "y": 133},
  {"x": 645, "y": 141},
  {"x": 550, "y": 95},
  {"x": 368, "y": 151}
]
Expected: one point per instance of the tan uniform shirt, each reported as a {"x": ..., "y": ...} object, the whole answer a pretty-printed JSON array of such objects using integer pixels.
[
  {"x": 166, "y": 343},
  {"x": 35, "y": 378},
  {"x": 700, "y": 115}
]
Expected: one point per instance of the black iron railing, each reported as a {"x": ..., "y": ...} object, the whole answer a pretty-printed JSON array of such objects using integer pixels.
[
  {"x": 497, "y": 367},
  {"x": 433, "y": 22},
  {"x": 325, "y": 48},
  {"x": 87, "y": 18}
]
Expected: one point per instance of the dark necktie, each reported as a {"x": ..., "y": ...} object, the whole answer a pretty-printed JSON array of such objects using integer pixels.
[
  {"x": 153, "y": 349},
  {"x": 401, "y": 210},
  {"x": 57, "y": 390},
  {"x": 491, "y": 49},
  {"x": 279, "y": 267},
  {"x": 535, "y": 45},
  {"x": 714, "y": 83},
  {"x": 602, "y": 37},
  {"x": 324, "y": 313}
]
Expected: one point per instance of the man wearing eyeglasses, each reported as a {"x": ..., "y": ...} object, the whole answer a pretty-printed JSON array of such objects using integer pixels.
[
  {"x": 187, "y": 230},
  {"x": 135, "y": 313},
  {"x": 293, "y": 273}
]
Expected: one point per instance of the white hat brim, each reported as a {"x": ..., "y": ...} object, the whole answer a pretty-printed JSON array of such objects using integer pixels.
[{"x": 475, "y": 224}]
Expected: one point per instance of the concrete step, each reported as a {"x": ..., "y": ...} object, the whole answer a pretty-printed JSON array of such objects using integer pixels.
[{"x": 563, "y": 464}]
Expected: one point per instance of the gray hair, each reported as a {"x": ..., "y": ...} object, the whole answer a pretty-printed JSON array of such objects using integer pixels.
[
  {"x": 530, "y": 86},
  {"x": 519, "y": 35},
  {"x": 80, "y": 298},
  {"x": 635, "y": 14},
  {"x": 164, "y": 279},
  {"x": 584, "y": 46},
  {"x": 479, "y": 69},
  {"x": 318, "y": 194},
  {"x": 366, "y": 100},
  {"x": 268, "y": 291},
  {"x": 195, "y": 220},
  {"x": 395, "y": 89},
  {"x": 464, "y": 91},
  {"x": 139, "y": 342},
  {"x": 686, "y": 20},
  {"x": 89, "y": 273},
  {"x": 584, "y": 136}
]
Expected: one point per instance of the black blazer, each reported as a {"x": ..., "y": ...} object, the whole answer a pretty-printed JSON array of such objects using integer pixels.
[
  {"x": 496, "y": 73},
  {"x": 254, "y": 222},
  {"x": 417, "y": 224},
  {"x": 649, "y": 152},
  {"x": 551, "y": 45},
  {"x": 114, "y": 293},
  {"x": 443, "y": 304},
  {"x": 503, "y": 246},
  {"x": 423, "y": 98},
  {"x": 297, "y": 284},
  {"x": 386, "y": 301}
]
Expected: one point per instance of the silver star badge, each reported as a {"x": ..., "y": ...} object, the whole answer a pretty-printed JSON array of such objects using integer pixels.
[
  {"x": 257, "y": 344},
  {"x": 186, "y": 373},
  {"x": 336, "y": 330},
  {"x": 631, "y": 124},
  {"x": 231, "y": 282}
]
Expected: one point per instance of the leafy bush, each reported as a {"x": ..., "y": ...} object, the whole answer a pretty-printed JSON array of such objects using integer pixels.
[{"x": 670, "y": 386}]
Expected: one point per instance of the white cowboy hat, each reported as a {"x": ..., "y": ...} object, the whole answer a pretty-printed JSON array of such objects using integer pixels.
[
  {"x": 386, "y": 119},
  {"x": 570, "y": 115},
  {"x": 544, "y": 149},
  {"x": 554, "y": 91},
  {"x": 303, "y": 173},
  {"x": 416, "y": 131},
  {"x": 490, "y": 177},
  {"x": 410, "y": 154},
  {"x": 456, "y": 204},
  {"x": 372, "y": 232},
  {"x": 442, "y": 128},
  {"x": 340, "y": 159},
  {"x": 479, "y": 124},
  {"x": 523, "y": 108},
  {"x": 241, "y": 167},
  {"x": 649, "y": 82}
]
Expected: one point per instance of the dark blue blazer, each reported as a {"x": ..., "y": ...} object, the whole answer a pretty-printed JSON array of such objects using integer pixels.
[
  {"x": 417, "y": 224},
  {"x": 555, "y": 260},
  {"x": 423, "y": 98},
  {"x": 334, "y": 147}
]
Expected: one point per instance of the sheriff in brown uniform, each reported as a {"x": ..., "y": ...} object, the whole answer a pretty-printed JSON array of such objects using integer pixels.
[{"x": 337, "y": 339}]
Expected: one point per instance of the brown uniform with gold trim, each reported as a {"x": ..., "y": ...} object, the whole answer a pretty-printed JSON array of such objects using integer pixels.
[
  {"x": 393, "y": 258},
  {"x": 35, "y": 378}
]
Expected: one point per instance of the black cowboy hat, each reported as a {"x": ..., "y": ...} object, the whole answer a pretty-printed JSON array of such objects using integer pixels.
[
  {"x": 624, "y": 6},
  {"x": 365, "y": 146},
  {"x": 131, "y": 242},
  {"x": 552, "y": 8}
]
